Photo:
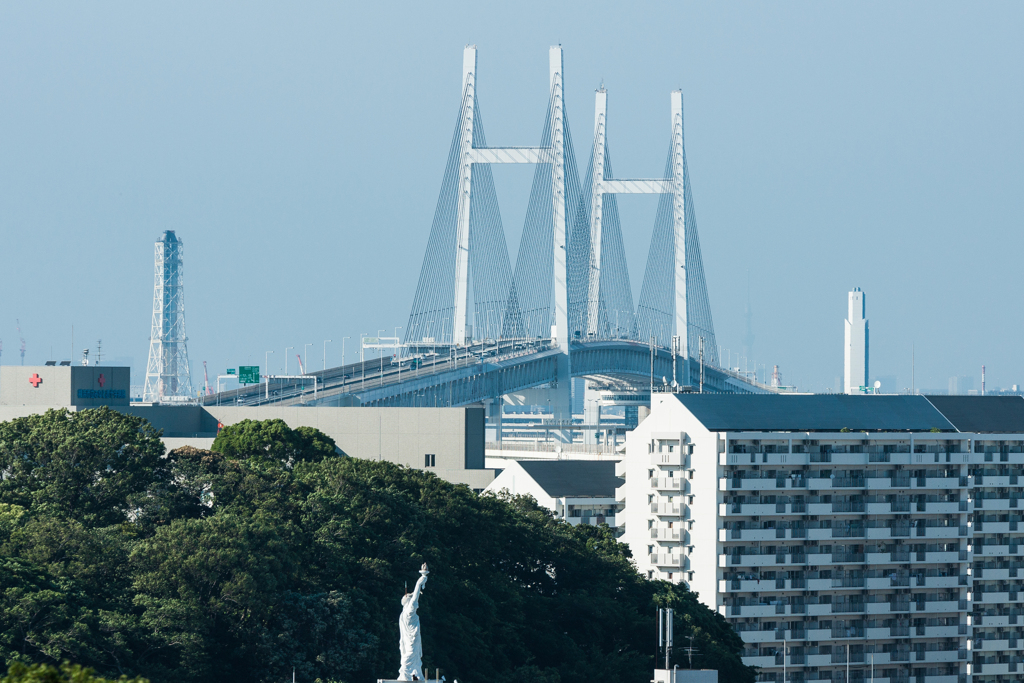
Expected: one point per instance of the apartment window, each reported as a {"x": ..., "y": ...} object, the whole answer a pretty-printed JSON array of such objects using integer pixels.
[{"x": 430, "y": 460}]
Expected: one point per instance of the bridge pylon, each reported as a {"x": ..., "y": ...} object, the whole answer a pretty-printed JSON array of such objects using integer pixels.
[{"x": 466, "y": 290}]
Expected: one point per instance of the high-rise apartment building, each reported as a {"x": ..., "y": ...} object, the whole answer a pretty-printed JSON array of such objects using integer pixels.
[
  {"x": 843, "y": 537},
  {"x": 855, "y": 351}
]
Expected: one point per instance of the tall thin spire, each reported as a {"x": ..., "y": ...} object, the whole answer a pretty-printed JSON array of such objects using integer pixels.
[
  {"x": 167, "y": 372},
  {"x": 856, "y": 348},
  {"x": 748, "y": 336}
]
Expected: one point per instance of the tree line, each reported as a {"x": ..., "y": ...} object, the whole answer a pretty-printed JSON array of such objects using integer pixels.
[{"x": 270, "y": 553}]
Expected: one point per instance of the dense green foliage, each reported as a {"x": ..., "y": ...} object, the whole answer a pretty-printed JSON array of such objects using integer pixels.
[
  {"x": 65, "y": 673},
  {"x": 272, "y": 553}
]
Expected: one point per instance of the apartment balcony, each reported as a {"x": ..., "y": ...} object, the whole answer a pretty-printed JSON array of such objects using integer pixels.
[
  {"x": 935, "y": 656},
  {"x": 725, "y": 535},
  {"x": 999, "y": 645},
  {"x": 665, "y": 534},
  {"x": 675, "y": 459},
  {"x": 988, "y": 481},
  {"x": 669, "y": 484},
  {"x": 982, "y": 458},
  {"x": 996, "y": 620},
  {"x": 745, "y": 611},
  {"x": 942, "y": 631},
  {"x": 997, "y": 597},
  {"x": 738, "y": 459},
  {"x": 668, "y": 561},
  {"x": 996, "y": 550},
  {"x": 998, "y": 528},
  {"x": 758, "y": 637},
  {"x": 666, "y": 509},
  {"x": 755, "y": 586},
  {"x": 993, "y": 669},
  {"x": 997, "y": 504},
  {"x": 775, "y": 484},
  {"x": 749, "y": 560},
  {"x": 759, "y": 661},
  {"x": 997, "y": 574}
]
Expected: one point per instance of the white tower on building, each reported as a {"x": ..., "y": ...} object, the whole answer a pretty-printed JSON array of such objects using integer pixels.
[
  {"x": 167, "y": 372},
  {"x": 856, "y": 349}
]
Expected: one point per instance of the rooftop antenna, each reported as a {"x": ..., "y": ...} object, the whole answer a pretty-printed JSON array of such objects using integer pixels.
[
  {"x": 691, "y": 650},
  {"x": 99, "y": 351},
  {"x": 22, "y": 337},
  {"x": 85, "y": 356},
  {"x": 982, "y": 379}
]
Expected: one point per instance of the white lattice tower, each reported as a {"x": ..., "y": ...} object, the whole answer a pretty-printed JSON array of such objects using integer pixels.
[{"x": 167, "y": 372}]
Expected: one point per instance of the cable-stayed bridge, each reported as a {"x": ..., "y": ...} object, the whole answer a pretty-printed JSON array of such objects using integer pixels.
[{"x": 481, "y": 328}]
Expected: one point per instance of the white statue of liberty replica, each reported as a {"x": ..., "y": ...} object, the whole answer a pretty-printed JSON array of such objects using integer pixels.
[{"x": 410, "y": 643}]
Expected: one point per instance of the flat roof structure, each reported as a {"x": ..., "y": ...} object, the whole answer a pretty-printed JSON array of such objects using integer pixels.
[
  {"x": 815, "y": 413},
  {"x": 982, "y": 414}
]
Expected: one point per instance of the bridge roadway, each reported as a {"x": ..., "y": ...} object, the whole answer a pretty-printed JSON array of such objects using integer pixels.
[{"x": 464, "y": 375}]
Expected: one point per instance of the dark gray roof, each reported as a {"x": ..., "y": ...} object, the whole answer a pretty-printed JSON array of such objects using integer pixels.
[
  {"x": 814, "y": 413},
  {"x": 991, "y": 414},
  {"x": 574, "y": 478}
]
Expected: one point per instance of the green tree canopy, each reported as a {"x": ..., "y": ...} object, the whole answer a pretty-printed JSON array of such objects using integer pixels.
[{"x": 271, "y": 553}]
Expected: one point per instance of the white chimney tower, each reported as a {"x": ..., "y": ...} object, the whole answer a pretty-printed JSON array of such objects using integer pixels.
[{"x": 856, "y": 349}]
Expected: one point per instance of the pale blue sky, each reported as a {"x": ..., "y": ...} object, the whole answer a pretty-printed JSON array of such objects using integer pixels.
[{"x": 298, "y": 148}]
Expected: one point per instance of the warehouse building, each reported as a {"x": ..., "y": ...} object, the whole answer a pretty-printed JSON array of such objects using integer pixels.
[{"x": 446, "y": 441}]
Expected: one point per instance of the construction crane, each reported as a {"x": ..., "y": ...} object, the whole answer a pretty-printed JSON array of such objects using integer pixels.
[
  {"x": 22, "y": 337},
  {"x": 206, "y": 380},
  {"x": 302, "y": 370}
]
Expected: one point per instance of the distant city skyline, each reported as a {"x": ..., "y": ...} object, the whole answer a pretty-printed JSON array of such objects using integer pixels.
[{"x": 299, "y": 152}]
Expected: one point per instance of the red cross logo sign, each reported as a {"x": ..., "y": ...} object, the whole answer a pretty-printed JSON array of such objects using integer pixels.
[
  {"x": 101, "y": 380},
  {"x": 35, "y": 380}
]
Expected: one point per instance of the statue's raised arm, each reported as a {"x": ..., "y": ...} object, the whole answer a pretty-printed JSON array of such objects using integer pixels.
[{"x": 420, "y": 582}]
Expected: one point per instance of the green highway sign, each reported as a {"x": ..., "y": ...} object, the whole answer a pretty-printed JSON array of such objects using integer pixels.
[
  {"x": 232, "y": 371},
  {"x": 249, "y": 374}
]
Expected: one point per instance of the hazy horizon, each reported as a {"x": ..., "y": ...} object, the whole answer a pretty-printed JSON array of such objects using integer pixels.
[{"x": 298, "y": 153}]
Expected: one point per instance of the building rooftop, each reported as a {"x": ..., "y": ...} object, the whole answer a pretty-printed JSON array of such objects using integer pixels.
[
  {"x": 991, "y": 414},
  {"x": 815, "y": 413},
  {"x": 574, "y": 478}
]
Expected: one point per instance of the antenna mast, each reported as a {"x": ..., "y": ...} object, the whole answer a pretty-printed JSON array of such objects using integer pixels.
[
  {"x": 22, "y": 337},
  {"x": 665, "y": 633},
  {"x": 167, "y": 372}
]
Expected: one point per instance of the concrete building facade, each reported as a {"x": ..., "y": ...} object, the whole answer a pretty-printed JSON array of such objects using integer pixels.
[
  {"x": 446, "y": 441},
  {"x": 840, "y": 535}
]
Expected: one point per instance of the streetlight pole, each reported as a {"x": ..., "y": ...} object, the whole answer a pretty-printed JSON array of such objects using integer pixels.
[
  {"x": 286, "y": 350},
  {"x": 266, "y": 363},
  {"x": 305, "y": 356},
  {"x": 343, "y": 351},
  {"x": 380, "y": 351},
  {"x": 325, "y": 353},
  {"x": 362, "y": 362},
  {"x": 398, "y": 354}
]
